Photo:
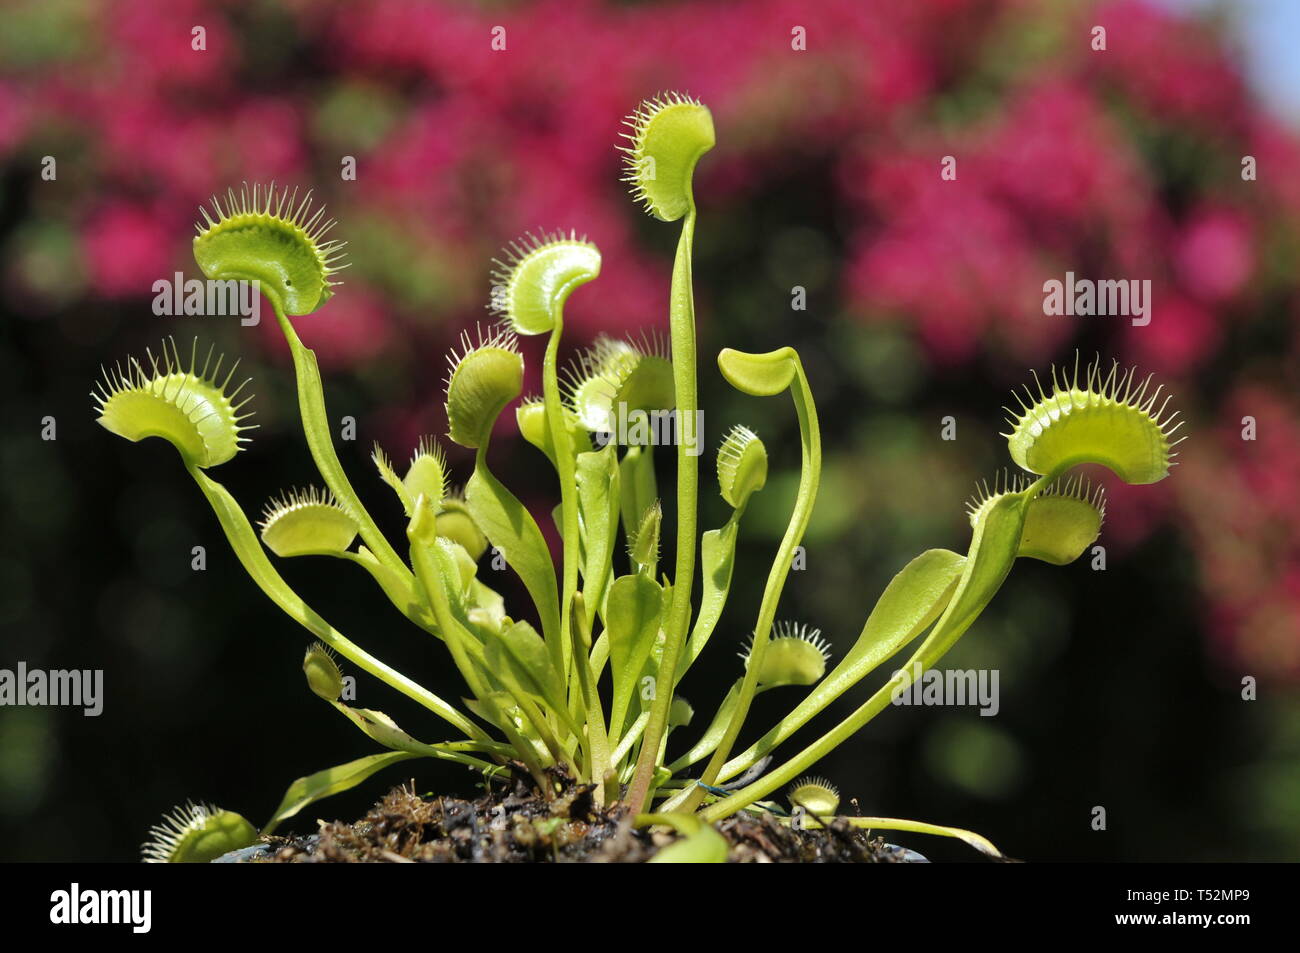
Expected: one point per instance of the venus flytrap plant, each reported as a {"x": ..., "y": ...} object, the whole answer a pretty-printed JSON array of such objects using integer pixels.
[{"x": 585, "y": 690}]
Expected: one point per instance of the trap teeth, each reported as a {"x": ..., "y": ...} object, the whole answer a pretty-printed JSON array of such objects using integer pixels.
[
  {"x": 307, "y": 522},
  {"x": 324, "y": 677},
  {"x": 190, "y": 406},
  {"x": 742, "y": 466},
  {"x": 274, "y": 238},
  {"x": 666, "y": 137},
  {"x": 535, "y": 276},
  {"x": 1107, "y": 418},
  {"x": 985, "y": 494},
  {"x": 195, "y": 834},
  {"x": 815, "y": 795},
  {"x": 794, "y": 655},
  {"x": 616, "y": 377},
  {"x": 427, "y": 473},
  {"x": 1061, "y": 522}
]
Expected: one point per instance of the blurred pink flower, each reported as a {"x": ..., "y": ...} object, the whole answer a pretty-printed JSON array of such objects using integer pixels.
[
  {"x": 151, "y": 46},
  {"x": 956, "y": 260},
  {"x": 1238, "y": 500},
  {"x": 1213, "y": 255},
  {"x": 14, "y": 117},
  {"x": 1181, "y": 336},
  {"x": 1060, "y": 158},
  {"x": 127, "y": 248},
  {"x": 349, "y": 330},
  {"x": 1275, "y": 147},
  {"x": 1173, "y": 66}
]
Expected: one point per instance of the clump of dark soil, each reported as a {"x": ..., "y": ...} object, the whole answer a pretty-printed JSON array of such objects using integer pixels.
[{"x": 519, "y": 826}]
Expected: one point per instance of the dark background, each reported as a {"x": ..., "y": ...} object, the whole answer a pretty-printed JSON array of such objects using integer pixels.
[{"x": 1119, "y": 688}]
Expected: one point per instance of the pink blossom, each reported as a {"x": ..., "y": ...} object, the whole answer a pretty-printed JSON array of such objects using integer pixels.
[
  {"x": 1181, "y": 336},
  {"x": 127, "y": 249},
  {"x": 1213, "y": 255},
  {"x": 349, "y": 330}
]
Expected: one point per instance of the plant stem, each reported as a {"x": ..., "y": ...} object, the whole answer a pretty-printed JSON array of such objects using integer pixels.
[
  {"x": 681, "y": 319},
  {"x": 628, "y": 740},
  {"x": 524, "y": 749},
  {"x": 990, "y": 557},
  {"x": 423, "y": 536},
  {"x": 253, "y": 558},
  {"x": 810, "y": 476},
  {"x": 564, "y": 465},
  {"x": 596, "y": 743},
  {"x": 821, "y": 747},
  {"x": 315, "y": 425}
]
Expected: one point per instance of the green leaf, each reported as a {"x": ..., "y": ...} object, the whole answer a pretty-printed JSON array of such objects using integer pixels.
[
  {"x": 913, "y": 599},
  {"x": 1062, "y": 522},
  {"x": 486, "y": 378},
  {"x": 637, "y": 486},
  {"x": 699, "y": 844},
  {"x": 513, "y": 531},
  {"x": 632, "y": 617},
  {"x": 643, "y": 542},
  {"x": 197, "y": 834},
  {"x": 520, "y": 658},
  {"x": 458, "y": 570},
  {"x": 669, "y": 134},
  {"x": 253, "y": 558},
  {"x": 320, "y": 441},
  {"x": 536, "y": 277},
  {"x": 334, "y": 780},
  {"x": 768, "y": 375},
  {"x": 991, "y": 555},
  {"x": 759, "y": 375},
  {"x": 718, "y": 560},
  {"x": 381, "y": 728},
  {"x": 439, "y": 576},
  {"x": 598, "y": 501},
  {"x": 681, "y": 325},
  {"x": 269, "y": 237},
  {"x": 1107, "y": 419}
]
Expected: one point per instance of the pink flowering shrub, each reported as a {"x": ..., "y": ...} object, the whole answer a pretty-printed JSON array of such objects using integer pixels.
[{"x": 1115, "y": 164}]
